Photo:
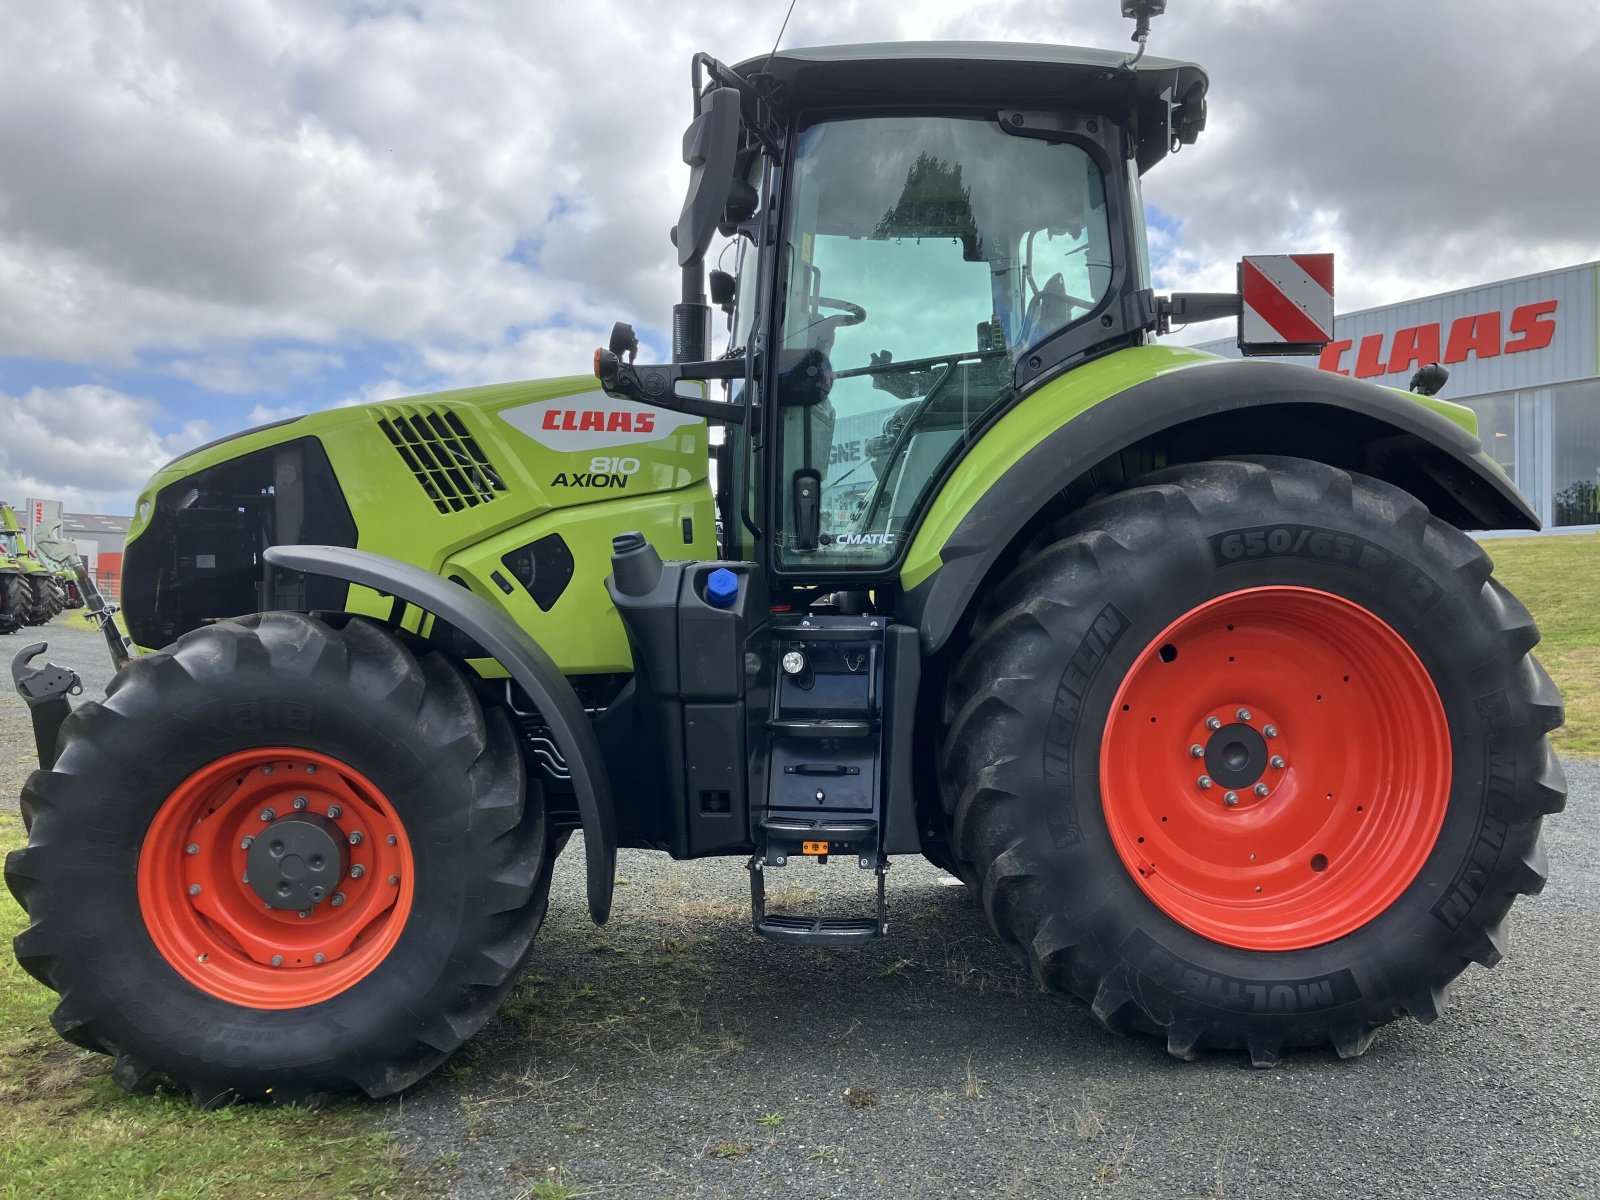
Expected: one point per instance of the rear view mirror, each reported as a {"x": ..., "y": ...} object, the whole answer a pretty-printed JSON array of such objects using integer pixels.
[{"x": 710, "y": 148}]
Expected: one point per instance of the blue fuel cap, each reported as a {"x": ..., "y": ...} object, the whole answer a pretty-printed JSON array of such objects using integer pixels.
[{"x": 722, "y": 588}]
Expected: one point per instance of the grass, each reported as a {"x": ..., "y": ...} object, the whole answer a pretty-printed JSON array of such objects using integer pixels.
[
  {"x": 1558, "y": 578},
  {"x": 70, "y": 1131}
]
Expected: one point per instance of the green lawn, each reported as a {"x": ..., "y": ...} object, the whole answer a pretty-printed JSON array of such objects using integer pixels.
[
  {"x": 1558, "y": 578},
  {"x": 69, "y": 1131}
]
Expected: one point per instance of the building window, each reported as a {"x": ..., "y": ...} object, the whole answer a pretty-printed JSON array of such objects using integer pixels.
[
  {"x": 1497, "y": 428},
  {"x": 1575, "y": 457}
]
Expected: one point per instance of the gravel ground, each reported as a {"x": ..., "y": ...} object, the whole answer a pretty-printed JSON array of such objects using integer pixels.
[{"x": 673, "y": 1053}]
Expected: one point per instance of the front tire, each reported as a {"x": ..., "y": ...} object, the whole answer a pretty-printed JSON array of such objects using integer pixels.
[
  {"x": 1150, "y": 640},
  {"x": 16, "y": 602},
  {"x": 400, "y": 860}
]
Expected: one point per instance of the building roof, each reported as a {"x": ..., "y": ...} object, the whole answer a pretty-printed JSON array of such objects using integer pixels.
[{"x": 92, "y": 523}]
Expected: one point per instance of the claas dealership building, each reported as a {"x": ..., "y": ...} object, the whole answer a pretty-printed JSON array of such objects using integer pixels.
[{"x": 1523, "y": 353}]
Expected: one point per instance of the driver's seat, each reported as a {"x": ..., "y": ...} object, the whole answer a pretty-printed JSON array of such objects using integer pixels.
[{"x": 1047, "y": 312}]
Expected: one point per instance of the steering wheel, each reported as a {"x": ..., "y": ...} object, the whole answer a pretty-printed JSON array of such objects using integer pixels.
[{"x": 849, "y": 314}]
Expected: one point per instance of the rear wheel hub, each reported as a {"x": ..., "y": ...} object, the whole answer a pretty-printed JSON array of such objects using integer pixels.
[
  {"x": 297, "y": 862},
  {"x": 1275, "y": 768}
]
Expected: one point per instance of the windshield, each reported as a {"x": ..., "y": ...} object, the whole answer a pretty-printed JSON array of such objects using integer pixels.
[{"x": 924, "y": 255}]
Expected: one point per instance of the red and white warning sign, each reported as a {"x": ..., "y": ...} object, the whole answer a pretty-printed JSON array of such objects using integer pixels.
[{"x": 1287, "y": 302}]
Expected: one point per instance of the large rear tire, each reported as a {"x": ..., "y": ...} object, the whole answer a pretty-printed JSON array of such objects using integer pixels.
[
  {"x": 1358, "y": 695},
  {"x": 400, "y": 859},
  {"x": 41, "y": 600}
]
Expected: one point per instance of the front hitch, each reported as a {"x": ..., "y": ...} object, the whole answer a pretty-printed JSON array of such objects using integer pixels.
[{"x": 46, "y": 690}]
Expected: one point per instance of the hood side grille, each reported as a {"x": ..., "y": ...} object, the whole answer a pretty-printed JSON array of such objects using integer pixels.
[{"x": 442, "y": 454}]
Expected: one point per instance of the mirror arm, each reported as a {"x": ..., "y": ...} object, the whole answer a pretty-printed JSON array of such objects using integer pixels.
[{"x": 656, "y": 384}]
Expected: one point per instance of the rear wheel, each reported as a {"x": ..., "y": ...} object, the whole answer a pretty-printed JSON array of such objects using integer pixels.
[
  {"x": 41, "y": 600},
  {"x": 281, "y": 859},
  {"x": 1252, "y": 756}
]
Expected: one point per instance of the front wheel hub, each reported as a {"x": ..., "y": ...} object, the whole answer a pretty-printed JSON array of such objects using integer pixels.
[
  {"x": 1323, "y": 775},
  {"x": 275, "y": 911}
]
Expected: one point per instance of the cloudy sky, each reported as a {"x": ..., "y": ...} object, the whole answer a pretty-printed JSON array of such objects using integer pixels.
[{"x": 216, "y": 213}]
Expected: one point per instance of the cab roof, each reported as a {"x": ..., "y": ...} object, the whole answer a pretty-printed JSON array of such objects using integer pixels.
[{"x": 1022, "y": 73}]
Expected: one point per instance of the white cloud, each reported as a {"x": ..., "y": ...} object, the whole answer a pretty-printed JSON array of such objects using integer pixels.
[
  {"x": 489, "y": 185},
  {"x": 244, "y": 374},
  {"x": 87, "y": 446}
]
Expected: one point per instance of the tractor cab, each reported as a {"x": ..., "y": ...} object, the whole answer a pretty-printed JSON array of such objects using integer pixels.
[{"x": 925, "y": 231}]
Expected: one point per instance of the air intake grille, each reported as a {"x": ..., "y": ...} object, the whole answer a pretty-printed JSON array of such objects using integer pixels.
[{"x": 446, "y": 459}]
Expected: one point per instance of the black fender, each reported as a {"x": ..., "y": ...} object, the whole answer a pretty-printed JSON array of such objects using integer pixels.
[
  {"x": 1211, "y": 411},
  {"x": 509, "y": 645}
]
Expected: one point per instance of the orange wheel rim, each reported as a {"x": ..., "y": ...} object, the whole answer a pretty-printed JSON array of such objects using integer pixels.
[
  {"x": 1275, "y": 768},
  {"x": 305, "y": 824}
]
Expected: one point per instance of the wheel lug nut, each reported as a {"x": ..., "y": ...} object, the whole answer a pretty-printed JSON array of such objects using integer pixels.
[
  {"x": 268, "y": 814},
  {"x": 267, "y": 770},
  {"x": 246, "y": 842},
  {"x": 1197, "y": 751},
  {"x": 194, "y": 889},
  {"x": 391, "y": 839},
  {"x": 1262, "y": 790},
  {"x": 1230, "y": 798},
  {"x": 277, "y": 960},
  {"x": 299, "y": 803},
  {"x": 333, "y": 812},
  {"x": 357, "y": 871},
  {"x": 356, "y": 837},
  {"x": 394, "y": 881},
  {"x": 1270, "y": 731},
  {"x": 304, "y": 913},
  {"x": 1243, "y": 714},
  {"x": 338, "y": 899},
  {"x": 1277, "y": 761},
  {"x": 191, "y": 848},
  {"x": 1213, "y": 723},
  {"x": 1204, "y": 781},
  {"x": 319, "y": 958}
]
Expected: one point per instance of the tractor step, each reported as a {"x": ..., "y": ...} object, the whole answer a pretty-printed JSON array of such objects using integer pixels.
[
  {"x": 799, "y": 929},
  {"x": 794, "y": 930},
  {"x": 835, "y": 830}
]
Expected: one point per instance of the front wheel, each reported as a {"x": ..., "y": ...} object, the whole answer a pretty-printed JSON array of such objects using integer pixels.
[
  {"x": 281, "y": 859},
  {"x": 1252, "y": 756}
]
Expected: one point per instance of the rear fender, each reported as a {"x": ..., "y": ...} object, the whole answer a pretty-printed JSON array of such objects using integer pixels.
[
  {"x": 524, "y": 660},
  {"x": 1197, "y": 407}
]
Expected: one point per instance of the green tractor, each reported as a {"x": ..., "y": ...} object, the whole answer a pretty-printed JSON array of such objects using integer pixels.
[
  {"x": 36, "y": 594},
  {"x": 1186, "y": 666},
  {"x": 60, "y": 555}
]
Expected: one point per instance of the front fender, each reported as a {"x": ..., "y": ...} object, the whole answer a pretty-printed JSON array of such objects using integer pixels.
[
  {"x": 521, "y": 656},
  {"x": 1170, "y": 404}
]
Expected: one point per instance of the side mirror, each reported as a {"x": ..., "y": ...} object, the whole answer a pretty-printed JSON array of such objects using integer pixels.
[{"x": 710, "y": 148}]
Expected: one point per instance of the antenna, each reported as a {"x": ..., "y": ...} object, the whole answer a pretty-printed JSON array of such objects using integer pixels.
[
  {"x": 785, "y": 25},
  {"x": 1140, "y": 13}
]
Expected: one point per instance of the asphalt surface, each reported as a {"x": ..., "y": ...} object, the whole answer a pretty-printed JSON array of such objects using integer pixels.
[{"x": 673, "y": 1053}]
